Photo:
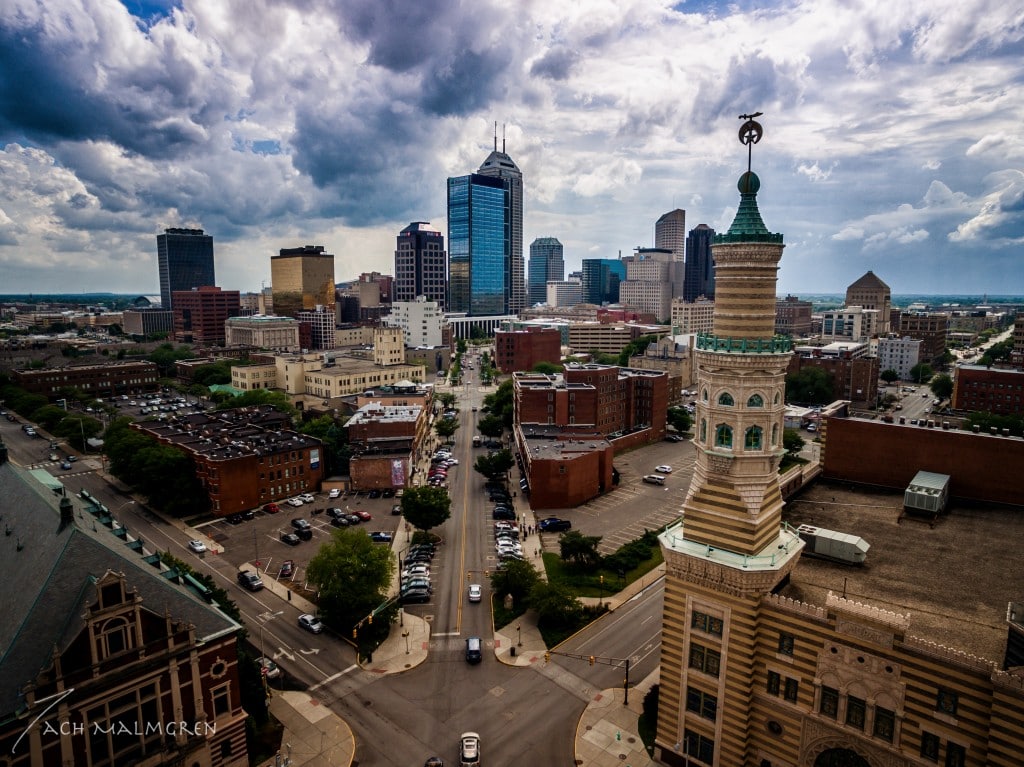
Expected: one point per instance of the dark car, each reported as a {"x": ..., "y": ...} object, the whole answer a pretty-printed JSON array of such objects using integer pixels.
[
  {"x": 353, "y": 519},
  {"x": 340, "y": 521},
  {"x": 379, "y": 537},
  {"x": 235, "y": 519},
  {"x": 389, "y": 493},
  {"x": 290, "y": 538},
  {"x": 287, "y": 569},
  {"x": 396, "y": 509},
  {"x": 250, "y": 580},
  {"x": 248, "y": 515},
  {"x": 301, "y": 524},
  {"x": 673, "y": 438},
  {"x": 416, "y": 595},
  {"x": 554, "y": 525},
  {"x": 503, "y": 514},
  {"x": 375, "y": 494}
]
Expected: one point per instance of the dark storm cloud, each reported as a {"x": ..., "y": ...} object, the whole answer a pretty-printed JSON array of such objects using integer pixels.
[
  {"x": 402, "y": 35},
  {"x": 468, "y": 81},
  {"x": 556, "y": 64},
  {"x": 751, "y": 84}
]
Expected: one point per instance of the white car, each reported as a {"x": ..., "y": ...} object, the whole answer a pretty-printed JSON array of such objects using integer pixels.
[
  {"x": 475, "y": 592},
  {"x": 307, "y": 498},
  {"x": 452, "y": 461},
  {"x": 469, "y": 750},
  {"x": 416, "y": 571},
  {"x": 294, "y": 502},
  {"x": 197, "y": 546},
  {"x": 335, "y": 493},
  {"x": 663, "y": 469}
]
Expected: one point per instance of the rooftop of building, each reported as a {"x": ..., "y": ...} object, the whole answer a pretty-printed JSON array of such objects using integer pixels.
[
  {"x": 549, "y": 448},
  {"x": 379, "y": 412},
  {"x": 953, "y": 579}
]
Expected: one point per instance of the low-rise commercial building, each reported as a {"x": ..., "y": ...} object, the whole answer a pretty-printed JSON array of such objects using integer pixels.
[
  {"x": 609, "y": 338},
  {"x": 260, "y": 331},
  {"x": 523, "y": 348},
  {"x": 107, "y": 380},
  {"x": 386, "y": 439},
  {"x": 999, "y": 391}
]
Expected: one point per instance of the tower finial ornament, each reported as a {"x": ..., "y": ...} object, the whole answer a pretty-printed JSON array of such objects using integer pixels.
[{"x": 750, "y": 133}]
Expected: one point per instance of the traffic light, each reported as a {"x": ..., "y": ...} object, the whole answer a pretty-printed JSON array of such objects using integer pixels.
[
  {"x": 547, "y": 657},
  {"x": 369, "y": 619},
  {"x": 592, "y": 659},
  {"x": 355, "y": 633}
]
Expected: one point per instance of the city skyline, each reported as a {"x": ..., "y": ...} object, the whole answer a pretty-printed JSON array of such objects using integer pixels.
[{"x": 894, "y": 145}]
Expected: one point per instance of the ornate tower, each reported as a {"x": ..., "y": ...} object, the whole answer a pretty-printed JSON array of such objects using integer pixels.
[{"x": 730, "y": 548}]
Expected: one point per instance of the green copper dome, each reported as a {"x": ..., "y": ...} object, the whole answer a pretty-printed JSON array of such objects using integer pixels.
[{"x": 748, "y": 226}]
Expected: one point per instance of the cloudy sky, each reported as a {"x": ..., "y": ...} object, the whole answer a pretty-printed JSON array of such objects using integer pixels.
[{"x": 893, "y": 137}]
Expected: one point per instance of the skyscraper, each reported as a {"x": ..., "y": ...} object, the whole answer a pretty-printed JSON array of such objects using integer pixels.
[
  {"x": 699, "y": 279},
  {"x": 421, "y": 264},
  {"x": 601, "y": 278},
  {"x": 546, "y": 265},
  {"x": 670, "y": 233},
  {"x": 302, "y": 278},
  {"x": 185, "y": 260},
  {"x": 500, "y": 165}
]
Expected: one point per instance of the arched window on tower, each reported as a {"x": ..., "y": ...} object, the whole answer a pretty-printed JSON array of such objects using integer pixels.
[
  {"x": 704, "y": 394},
  {"x": 723, "y": 435},
  {"x": 775, "y": 434},
  {"x": 703, "y": 430},
  {"x": 755, "y": 401},
  {"x": 725, "y": 399},
  {"x": 776, "y": 398},
  {"x": 752, "y": 438}
]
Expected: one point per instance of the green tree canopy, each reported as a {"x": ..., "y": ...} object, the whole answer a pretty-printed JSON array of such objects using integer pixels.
[
  {"x": 495, "y": 465},
  {"x": 679, "y": 419},
  {"x": 426, "y": 507},
  {"x": 76, "y": 429},
  {"x": 811, "y": 386},
  {"x": 635, "y": 347},
  {"x": 278, "y": 399},
  {"x": 165, "y": 355},
  {"x": 941, "y": 386},
  {"x": 461, "y": 346},
  {"x": 556, "y": 605},
  {"x": 547, "y": 368},
  {"x": 889, "y": 376},
  {"x": 517, "y": 578},
  {"x": 792, "y": 441},
  {"x": 580, "y": 550},
  {"x": 446, "y": 427},
  {"x": 352, "y": 575},
  {"x": 447, "y": 400},
  {"x": 997, "y": 352},
  {"x": 921, "y": 372},
  {"x": 214, "y": 373},
  {"x": 499, "y": 403},
  {"x": 490, "y": 426}
]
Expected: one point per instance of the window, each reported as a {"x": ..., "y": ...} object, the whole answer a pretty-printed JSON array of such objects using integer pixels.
[
  {"x": 725, "y": 399},
  {"x": 114, "y": 637},
  {"x": 786, "y": 644},
  {"x": 946, "y": 701},
  {"x": 792, "y": 690},
  {"x": 704, "y": 395},
  {"x": 855, "y": 709},
  {"x": 829, "y": 702},
  {"x": 699, "y": 747},
  {"x": 956, "y": 755},
  {"x": 706, "y": 623},
  {"x": 723, "y": 436},
  {"x": 221, "y": 702},
  {"x": 703, "y": 703},
  {"x": 885, "y": 724},
  {"x": 703, "y": 430},
  {"x": 755, "y": 401},
  {"x": 752, "y": 438},
  {"x": 774, "y": 682},
  {"x": 705, "y": 659},
  {"x": 930, "y": 746},
  {"x": 775, "y": 434}
]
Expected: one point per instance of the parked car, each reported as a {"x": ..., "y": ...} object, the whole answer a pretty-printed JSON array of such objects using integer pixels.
[
  {"x": 363, "y": 515},
  {"x": 268, "y": 668},
  {"x": 235, "y": 519},
  {"x": 379, "y": 537},
  {"x": 310, "y": 623},
  {"x": 663, "y": 469},
  {"x": 306, "y": 498},
  {"x": 673, "y": 438},
  {"x": 294, "y": 502},
  {"x": 554, "y": 525},
  {"x": 290, "y": 538},
  {"x": 654, "y": 479},
  {"x": 341, "y": 521},
  {"x": 396, "y": 509},
  {"x": 271, "y": 508},
  {"x": 434, "y": 761},
  {"x": 66, "y": 465},
  {"x": 287, "y": 569},
  {"x": 301, "y": 524},
  {"x": 250, "y": 580},
  {"x": 374, "y": 493},
  {"x": 469, "y": 750},
  {"x": 334, "y": 493},
  {"x": 414, "y": 595}
]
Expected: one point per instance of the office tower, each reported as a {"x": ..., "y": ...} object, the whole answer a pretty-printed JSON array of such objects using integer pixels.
[
  {"x": 421, "y": 265},
  {"x": 699, "y": 272},
  {"x": 670, "y": 233},
  {"x": 200, "y": 314},
  {"x": 869, "y": 292},
  {"x": 601, "y": 278},
  {"x": 479, "y": 282},
  {"x": 649, "y": 282},
  {"x": 185, "y": 260},
  {"x": 546, "y": 265},
  {"x": 485, "y": 238},
  {"x": 302, "y": 278}
]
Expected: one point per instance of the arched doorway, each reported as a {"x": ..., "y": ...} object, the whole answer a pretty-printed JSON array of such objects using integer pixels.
[{"x": 840, "y": 757}]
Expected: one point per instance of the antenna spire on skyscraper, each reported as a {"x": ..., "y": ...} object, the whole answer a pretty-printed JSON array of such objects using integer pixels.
[
  {"x": 495, "y": 135},
  {"x": 502, "y": 138}
]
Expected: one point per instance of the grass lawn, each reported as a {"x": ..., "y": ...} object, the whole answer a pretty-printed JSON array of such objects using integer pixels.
[{"x": 589, "y": 584}]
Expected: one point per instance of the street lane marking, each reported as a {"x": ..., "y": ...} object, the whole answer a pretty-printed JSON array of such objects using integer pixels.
[{"x": 331, "y": 678}]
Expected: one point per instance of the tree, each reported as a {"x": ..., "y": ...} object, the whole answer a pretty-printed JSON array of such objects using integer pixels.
[
  {"x": 461, "y": 346},
  {"x": 679, "y": 419},
  {"x": 447, "y": 400},
  {"x": 446, "y": 427},
  {"x": 490, "y": 426},
  {"x": 921, "y": 372},
  {"x": 635, "y": 347},
  {"x": 214, "y": 373},
  {"x": 942, "y": 386},
  {"x": 77, "y": 429},
  {"x": 517, "y": 578},
  {"x": 579, "y": 549},
  {"x": 889, "y": 376},
  {"x": 812, "y": 386},
  {"x": 426, "y": 507},
  {"x": 547, "y": 368},
  {"x": 352, "y": 575},
  {"x": 499, "y": 403},
  {"x": 495, "y": 465},
  {"x": 555, "y": 604},
  {"x": 278, "y": 399},
  {"x": 792, "y": 441}
]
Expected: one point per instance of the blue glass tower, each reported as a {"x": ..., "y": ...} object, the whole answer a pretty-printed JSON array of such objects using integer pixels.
[
  {"x": 479, "y": 270},
  {"x": 699, "y": 275},
  {"x": 185, "y": 260},
  {"x": 601, "y": 278}
]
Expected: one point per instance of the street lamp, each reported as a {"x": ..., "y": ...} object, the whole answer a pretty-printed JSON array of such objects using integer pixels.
[
  {"x": 406, "y": 635},
  {"x": 519, "y": 635}
]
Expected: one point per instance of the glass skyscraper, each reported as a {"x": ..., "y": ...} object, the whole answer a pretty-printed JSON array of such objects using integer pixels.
[
  {"x": 699, "y": 274},
  {"x": 420, "y": 265},
  {"x": 185, "y": 260},
  {"x": 546, "y": 265},
  {"x": 479, "y": 279},
  {"x": 601, "y": 278}
]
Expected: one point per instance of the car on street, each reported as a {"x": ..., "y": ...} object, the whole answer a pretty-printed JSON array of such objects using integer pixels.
[
  {"x": 434, "y": 761},
  {"x": 72, "y": 458},
  {"x": 663, "y": 469},
  {"x": 66, "y": 465},
  {"x": 250, "y": 580},
  {"x": 654, "y": 479},
  {"x": 287, "y": 569},
  {"x": 334, "y": 493},
  {"x": 268, "y": 668},
  {"x": 197, "y": 546},
  {"x": 673, "y": 438},
  {"x": 396, "y": 509},
  {"x": 554, "y": 525},
  {"x": 469, "y": 750},
  {"x": 290, "y": 538},
  {"x": 310, "y": 623},
  {"x": 475, "y": 592}
]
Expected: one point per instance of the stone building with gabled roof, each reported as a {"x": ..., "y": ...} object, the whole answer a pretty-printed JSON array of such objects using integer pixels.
[{"x": 106, "y": 656}]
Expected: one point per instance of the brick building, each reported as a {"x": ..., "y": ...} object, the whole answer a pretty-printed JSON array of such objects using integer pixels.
[
  {"x": 385, "y": 439},
  {"x": 244, "y": 457},
  {"x": 999, "y": 391},
  {"x": 854, "y": 374},
  {"x": 929, "y": 329},
  {"x": 260, "y": 331},
  {"x": 114, "y": 378},
  {"x": 147, "y": 321},
  {"x": 522, "y": 349},
  {"x": 200, "y": 314},
  {"x": 564, "y": 470},
  {"x": 793, "y": 317}
]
